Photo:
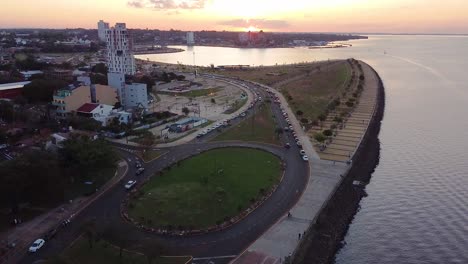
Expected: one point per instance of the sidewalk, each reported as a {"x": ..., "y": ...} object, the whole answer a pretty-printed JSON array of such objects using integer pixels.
[
  {"x": 324, "y": 177},
  {"x": 281, "y": 239},
  {"x": 24, "y": 234}
]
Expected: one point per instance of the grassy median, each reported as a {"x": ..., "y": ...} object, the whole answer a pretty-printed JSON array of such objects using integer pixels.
[
  {"x": 260, "y": 128},
  {"x": 207, "y": 189}
]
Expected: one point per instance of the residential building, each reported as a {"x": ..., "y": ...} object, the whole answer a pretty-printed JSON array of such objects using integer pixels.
[
  {"x": 102, "y": 27},
  {"x": 120, "y": 50},
  {"x": 68, "y": 100},
  {"x": 99, "y": 112},
  {"x": 190, "y": 38},
  {"x": 136, "y": 95},
  {"x": 103, "y": 94},
  {"x": 61, "y": 74},
  {"x": 130, "y": 95},
  {"x": 11, "y": 90}
]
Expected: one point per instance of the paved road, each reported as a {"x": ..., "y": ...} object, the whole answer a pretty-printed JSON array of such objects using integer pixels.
[{"x": 218, "y": 247}]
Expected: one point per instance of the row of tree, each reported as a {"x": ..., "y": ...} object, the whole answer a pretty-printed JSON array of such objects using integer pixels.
[{"x": 41, "y": 178}]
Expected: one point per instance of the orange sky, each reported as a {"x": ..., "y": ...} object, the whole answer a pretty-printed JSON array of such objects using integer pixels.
[{"x": 386, "y": 16}]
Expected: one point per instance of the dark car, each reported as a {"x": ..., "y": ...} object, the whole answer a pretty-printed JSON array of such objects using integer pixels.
[{"x": 140, "y": 171}]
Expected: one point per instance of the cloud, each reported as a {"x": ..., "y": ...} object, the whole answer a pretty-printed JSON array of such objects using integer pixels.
[
  {"x": 168, "y": 5},
  {"x": 258, "y": 23}
]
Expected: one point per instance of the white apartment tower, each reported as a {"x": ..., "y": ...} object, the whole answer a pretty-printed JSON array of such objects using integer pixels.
[
  {"x": 102, "y": 27},
  {"x": 190, "y": 38},
  {"x": 119, "y": 50}
]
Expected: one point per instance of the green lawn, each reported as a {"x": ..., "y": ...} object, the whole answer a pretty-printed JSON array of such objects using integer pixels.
[
  {"x": 238, "y": 104},
  {"x": 202, "y": 92},
  {"x": 195, "y": 93},
  {"x": 269, "y": 75},
  {"x": 312, "y": 94},
  {"x": 206, "y": 189},
  {"x": 103, "y": 252},
  {"x": 260, "y": 127}
]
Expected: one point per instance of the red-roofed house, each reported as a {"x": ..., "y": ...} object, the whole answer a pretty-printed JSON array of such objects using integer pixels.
[{"x": 99, "y": 112}]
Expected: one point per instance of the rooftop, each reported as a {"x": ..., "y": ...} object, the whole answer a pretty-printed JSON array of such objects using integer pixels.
[
  {"x": 87, "y": 108},
  {"x": 9, "y": 86}
]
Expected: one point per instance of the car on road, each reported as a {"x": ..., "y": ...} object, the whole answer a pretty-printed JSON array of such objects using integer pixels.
[
  {"x": 287, "y": 145},
  {"x": 243, "y": 114},
  {"x": 140, "y": 171},
  {"x": 302, "y": 152},
  {"x": 305, "y": 158},
  {"x": 36, "y": 245},
  {"x": 286, "y": 129},
  {"x": 130, "y": 185},
  {"x": 137, "y": 164}
]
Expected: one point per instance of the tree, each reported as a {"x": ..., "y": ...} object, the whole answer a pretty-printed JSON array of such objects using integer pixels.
[
  {"x": 41, "y": 90},
  {"x": 299, "y": 112},
  {"x": 83, "y": 157},
  {"x": 32, "y": 177},
  {"x": 100, "y": 68},
  {"x": 327, "y": 133},
  {"x": 98, "y": 78},
  {"x": 84, "y": 123},
  {"x": 185, "y": 110},
  {"x": 7, "y": 113},
  {"x": 319, "y": 137},
  {"x": 338, "y": 119}
]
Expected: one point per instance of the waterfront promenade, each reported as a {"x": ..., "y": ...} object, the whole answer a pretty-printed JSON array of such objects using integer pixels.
[{"x": 281, "y": 239}]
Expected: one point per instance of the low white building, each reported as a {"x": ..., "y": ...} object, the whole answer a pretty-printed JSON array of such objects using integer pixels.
[
  {"x": 99, "y": 112},
  {"x": 28, "y": 74}
]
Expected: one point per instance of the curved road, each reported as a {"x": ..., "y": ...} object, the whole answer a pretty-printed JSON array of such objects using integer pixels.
[{"x": 230, "y": 241}]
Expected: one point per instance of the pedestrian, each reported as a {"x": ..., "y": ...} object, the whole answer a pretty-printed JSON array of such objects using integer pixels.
[{"x": 289, "y": 214}]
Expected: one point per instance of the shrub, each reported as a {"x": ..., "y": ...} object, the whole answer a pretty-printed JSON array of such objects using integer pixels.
[{"x": 327, "y": 133}]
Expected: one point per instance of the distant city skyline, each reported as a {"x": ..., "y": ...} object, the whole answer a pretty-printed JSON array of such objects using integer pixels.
[{"x": 358, "y": 16}]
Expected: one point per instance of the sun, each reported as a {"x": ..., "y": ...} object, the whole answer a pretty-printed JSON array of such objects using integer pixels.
[{"x": 251, "y": 29}]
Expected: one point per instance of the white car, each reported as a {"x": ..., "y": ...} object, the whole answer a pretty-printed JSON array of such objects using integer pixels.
[
  {"x": 305, "y": 158},
  {"x": 36, "y": 245},
  {"x": 302, "y": 152},
  {"x": 130, "y": 185}
]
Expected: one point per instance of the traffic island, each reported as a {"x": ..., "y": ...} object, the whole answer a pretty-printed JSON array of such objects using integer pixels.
[{"x": 204, "y": 193}]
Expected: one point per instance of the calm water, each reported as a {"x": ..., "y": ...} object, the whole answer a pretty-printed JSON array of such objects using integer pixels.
[{"x": 417, "y": 208}]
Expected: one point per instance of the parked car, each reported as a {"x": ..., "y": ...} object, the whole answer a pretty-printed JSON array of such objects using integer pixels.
[
  {"x": 302, "y": 152},
  {"x": 36, "y": 245},
  {"x": 130, "y": 185},
  {"x": 287, "y": 145},
  {"x": 305, "y": 158},
  {"x": 140, "y": 171}
]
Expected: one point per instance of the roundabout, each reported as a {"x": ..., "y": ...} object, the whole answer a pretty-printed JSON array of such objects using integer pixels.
[{"x": 207, "y": 192}]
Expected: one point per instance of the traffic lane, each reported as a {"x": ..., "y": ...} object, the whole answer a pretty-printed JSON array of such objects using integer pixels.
[{"x": 95, "y": 210}]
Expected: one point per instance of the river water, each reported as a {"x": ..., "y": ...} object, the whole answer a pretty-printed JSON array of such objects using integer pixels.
[{"x": 417, "y": 207}]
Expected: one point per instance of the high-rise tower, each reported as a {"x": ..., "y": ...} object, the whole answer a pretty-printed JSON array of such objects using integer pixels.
[{"x": 120, "y": 50}]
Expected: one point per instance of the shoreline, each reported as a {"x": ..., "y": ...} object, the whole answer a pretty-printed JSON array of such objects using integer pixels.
[{"x": 324, "y": 238}]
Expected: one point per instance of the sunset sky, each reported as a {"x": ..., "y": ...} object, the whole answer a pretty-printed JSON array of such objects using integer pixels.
[{"x": 386, "y": 16}]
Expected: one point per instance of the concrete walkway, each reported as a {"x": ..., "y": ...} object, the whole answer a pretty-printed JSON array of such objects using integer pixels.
[
  {"x": 281, "y": 240},
  {"x": 24, "y": 234}
]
